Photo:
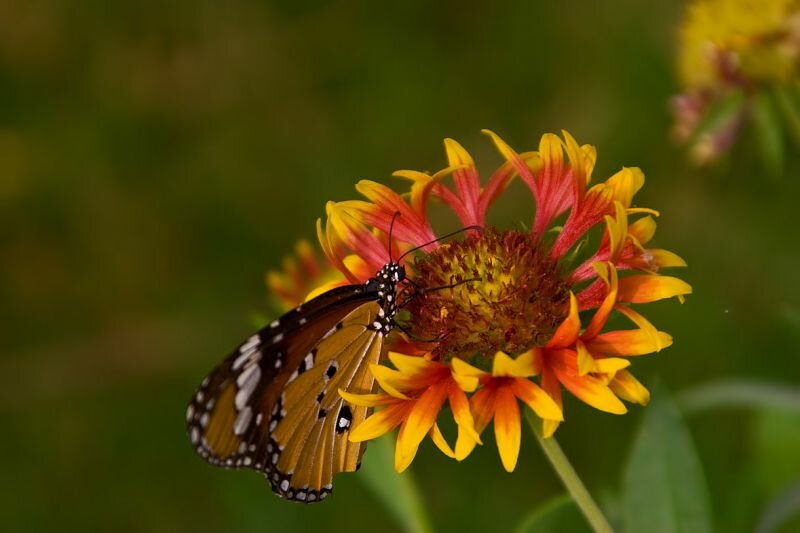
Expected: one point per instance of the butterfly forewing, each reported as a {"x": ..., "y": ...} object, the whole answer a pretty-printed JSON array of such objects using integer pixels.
[{"x": 273, "y": 405}]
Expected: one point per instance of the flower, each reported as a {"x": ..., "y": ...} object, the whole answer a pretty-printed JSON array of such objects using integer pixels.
[
  {"x": 497, "y": 314},
  {"x": 415, "y": 393},
  {"x": 737, "y": 59},
  {"x": 303, "y": 277},
  {"x": 497, "y": 398}
]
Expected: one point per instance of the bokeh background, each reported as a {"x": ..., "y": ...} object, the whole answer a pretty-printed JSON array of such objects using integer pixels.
[{"x": 156, "y": 158}]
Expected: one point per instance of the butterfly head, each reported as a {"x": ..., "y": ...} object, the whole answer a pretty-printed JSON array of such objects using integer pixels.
[
  {"x": 393, "y": 272},
  {"x": 384, "y": 284}
]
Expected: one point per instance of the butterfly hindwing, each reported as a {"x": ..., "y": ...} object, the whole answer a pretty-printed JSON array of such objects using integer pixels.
[
  {"x": 226, "y": 416},
  {"x": 313, "y": 435}
]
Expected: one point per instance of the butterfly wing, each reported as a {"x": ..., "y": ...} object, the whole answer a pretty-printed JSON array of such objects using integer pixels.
[
  {"x": 273, "y": 404},
  {"x": 309, "y": 442}
]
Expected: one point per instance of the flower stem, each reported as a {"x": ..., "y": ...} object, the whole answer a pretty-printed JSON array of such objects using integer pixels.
[{"x": 569, "y": 477}]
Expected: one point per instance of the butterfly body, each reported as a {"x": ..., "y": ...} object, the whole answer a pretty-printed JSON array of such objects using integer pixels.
[{"x": 273, "y": 404}]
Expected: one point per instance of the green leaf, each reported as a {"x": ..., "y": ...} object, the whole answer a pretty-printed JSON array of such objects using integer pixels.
[
  {"x": 776, "y": 439},
  {"x": 396, "y": 492},
  {"x": 782, "y": 508},
  {"x": 789, "y": 105},
  {"x": 663, "y": 489},
  {"x": 733, "y": 393},
  {"x": 721, "y": 114},
  {"x": 553, "y": 516},
  {"x": 768, "y": 131}
]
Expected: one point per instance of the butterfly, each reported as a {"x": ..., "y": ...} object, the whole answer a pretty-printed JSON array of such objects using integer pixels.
[{"x": 273, "y": 404}]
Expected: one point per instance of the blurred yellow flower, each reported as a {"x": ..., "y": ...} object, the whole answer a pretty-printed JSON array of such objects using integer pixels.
[{"x": 737, "y": 60}]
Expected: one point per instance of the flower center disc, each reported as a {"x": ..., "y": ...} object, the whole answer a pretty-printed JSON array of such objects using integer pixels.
[{"x": 515, "y": 301}]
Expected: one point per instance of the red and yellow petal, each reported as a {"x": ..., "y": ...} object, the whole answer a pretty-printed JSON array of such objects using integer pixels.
[
  {"x": 422, "y": 185},
  {"x": 617, "y": 231},
  {"x": 409, "y": 227},
  {"x": 643, "y": 229},
  {"x": 537, "y": 399},
  {"x": 467, "y": 376},
  {"x": 664, "y": 258},
  {"x": 468, "y": 436},
  {"x": 586, "y": 388},
  {"x": 521, "y": 367},
  {"x": 466, "y": 180},
  {"x": 610, "y": 366},
  {"x": 420, "y": 420},
  {"x": 552, "y": 387},
  {"x": 584, "y": 358},
  {"x": 391, "y": 381},
  {"x": 608, "y": 273},
  {"x": 552, "y": 153},
  {"x": 511, "y": 156},
  {"x": 593, "y": 392},
  {"x": 462, "y": 415},
  {"x": 629, "y": 388},
  {"x": 646, "y": 288},
  {"x": 346, "y": 224},
  {"x": 380, "y": 422},
  {"x": 625, "y": 184},
  {"x": 367, "y": 400},
  {"x": 411, "y": 365},
  {"x": 507, "y": 432},
  {"x": 440, "y": 442},
  {"x": 482, "y": 409},
  {"x": 577, "y": 161},
  {"x": 568, "y": 331},
  {"x": 629, "y": 342}
]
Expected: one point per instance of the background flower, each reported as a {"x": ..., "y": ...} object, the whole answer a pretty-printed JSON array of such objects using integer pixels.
[{"x": 738, "y": 63}]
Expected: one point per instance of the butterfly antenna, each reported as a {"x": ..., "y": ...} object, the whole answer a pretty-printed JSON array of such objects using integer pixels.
[
  {"x": 418, "y": 290},
  {"x": 443, "y": 237},
  {"x": 391, "y": 229}
]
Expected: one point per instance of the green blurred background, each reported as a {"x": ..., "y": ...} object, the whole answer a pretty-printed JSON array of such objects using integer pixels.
[{"x": 157, "y": 158}]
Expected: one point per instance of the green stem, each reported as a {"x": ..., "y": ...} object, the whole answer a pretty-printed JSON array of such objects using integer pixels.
[{"x": 569, "y": 477}]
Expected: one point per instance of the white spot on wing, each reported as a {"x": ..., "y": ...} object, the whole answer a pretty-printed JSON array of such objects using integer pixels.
[
  {"x": 247, "y": 386},
  {"x": 244, "y": 376},
  {"x": 249, "y": 350},
  {"x": 242, "y": 421}
]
